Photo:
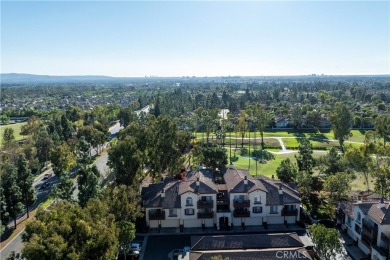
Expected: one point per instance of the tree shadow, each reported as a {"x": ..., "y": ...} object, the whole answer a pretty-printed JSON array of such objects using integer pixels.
[
  {"x": 300, "y": 137},
  {"x": 362, "y": 131},
  {"x": 319, "y": 137}
]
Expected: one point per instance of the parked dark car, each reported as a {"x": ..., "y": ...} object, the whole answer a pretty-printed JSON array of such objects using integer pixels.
[{"x": 45, "y": 186}]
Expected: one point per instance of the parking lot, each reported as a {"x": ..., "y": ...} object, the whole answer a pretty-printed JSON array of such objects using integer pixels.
[{"x": 158, "y": 247}]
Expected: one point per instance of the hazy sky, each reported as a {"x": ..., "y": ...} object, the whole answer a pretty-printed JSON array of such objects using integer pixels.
[{"x": 200, "y": 38}]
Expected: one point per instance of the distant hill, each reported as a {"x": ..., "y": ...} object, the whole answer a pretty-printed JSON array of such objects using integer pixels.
[
  {"x": 16, "y": 78},
  {"x": 32, "y": 79}
]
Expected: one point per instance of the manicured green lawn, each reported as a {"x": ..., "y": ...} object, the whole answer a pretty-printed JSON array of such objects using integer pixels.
[
  {"x": 17, "y": 127},
  {"x": 359, "y": 184},
  {"x": 357, "y": 135}
]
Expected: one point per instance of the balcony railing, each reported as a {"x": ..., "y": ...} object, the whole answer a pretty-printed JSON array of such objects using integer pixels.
[
  {"x": 289, "y": 212},
  {"x": 241, "y": 203},
  {"x": 223, "y": 202},
  {"x": 241, "y": 214},
  {"x": 206, "y": 215},
  {"x": 205, "y": 204},
  {"x": 157, "y": 215}
]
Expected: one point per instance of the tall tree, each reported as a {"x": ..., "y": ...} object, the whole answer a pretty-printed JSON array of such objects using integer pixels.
[
  {"x": 326, "y": 241},
  {"x": 64, "y": 190},
  {"x": 8, "y": 136},
  {"x": 342, "y": 122},
  {"x": 360, "y": 160},
  {"x": 126, "y": 235},
  {"x": 262, "y": 119},
  {"x": 287, "y": 171},
  {"x": 25, "y": 181},
  {"x": 214, "y": 157},
  {"x": 305, "y": 160},
  {"x": 382, "y": 126},
  {"x": 68, "y": 231},
  {"x": 4, "y": 216},
  {"x": 62, "y": 159},
  {"x": 242, "y": 125},
  {"x": 11, "y": 191},
  {"x": 67, "y": 128},
  {"x": 338, "y": 187},
  {"x": 88, "y": 184},
  {"x": 165, "y": 154},
  {"x": 123, "y": 202},
  {"x": 125, "y": 159},
  {"x": 43, "y": 143}
]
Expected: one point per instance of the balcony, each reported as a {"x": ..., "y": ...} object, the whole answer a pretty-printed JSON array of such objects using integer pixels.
[
  {"x": 206, "y": 214},
  {"x": 241, "y": 214},
  {"x": 157, "y": 215},
  {"x": 369, "y": 234},
  {"x": 241, "y": 203},
  {"x": 205, "y": 204},
  {"x": 286, "y": 212}
]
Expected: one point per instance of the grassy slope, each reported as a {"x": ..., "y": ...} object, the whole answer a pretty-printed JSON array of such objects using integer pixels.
[{"x": 17, "y": 127}]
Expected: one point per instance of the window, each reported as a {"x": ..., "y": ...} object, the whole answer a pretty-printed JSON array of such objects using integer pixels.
[
  {"x": 359, "y": 218},
  {"x": 289, "y": 207},
  {"x": 358, "y": 229},
  {"x": 206, "y": 198},
  {"x": 257, "y": 200},
  {"x": 189, "y": 201},
  {"x": 173, "y": 213},
  {"x": 189, "y": 212},
  {"x": 348, "y": 221},
  {"x": 274, "y": 210},
  {"x": 239, "y": 197},
  {"x": 257, "y": 210}
]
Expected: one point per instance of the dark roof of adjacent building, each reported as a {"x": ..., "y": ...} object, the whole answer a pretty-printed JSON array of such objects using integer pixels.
[
  {"x": 153, "y": 199},
  {"x": 380, "y": 214},
  {"x": 347, "y": 208},
  {"x": 263, "y": 254},
  {"x": 248, "y": 241},
  {"x": 172, "y": 190},
  {"x": 201, "y": 182}
]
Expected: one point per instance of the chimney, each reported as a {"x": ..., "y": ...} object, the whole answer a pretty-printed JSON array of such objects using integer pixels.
[
  {"x": 231, "y": 166},
  {"x": 273, "y": 177},
  {"x": 162, "y": 193},
  {"x": 197, "y": 182},
  {"x": 246, "y": 180},
  {"x": 381, "y": 204},
  {"x": 280, "y": 190}
]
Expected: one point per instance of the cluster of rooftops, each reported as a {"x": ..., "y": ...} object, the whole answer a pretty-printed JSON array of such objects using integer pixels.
[{"x": 166, "y": 194}]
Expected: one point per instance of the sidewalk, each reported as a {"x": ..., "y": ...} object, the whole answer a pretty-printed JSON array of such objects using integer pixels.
[{"x": 237, "y": 229}]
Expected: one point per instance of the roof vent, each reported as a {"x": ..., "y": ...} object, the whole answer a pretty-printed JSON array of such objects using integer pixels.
[
  {"x": 162, "y": 193},
  {"x": 280, "y": 190},
  {"x": 197, "y": 182},
  {"x": 246, "y": 180}
]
